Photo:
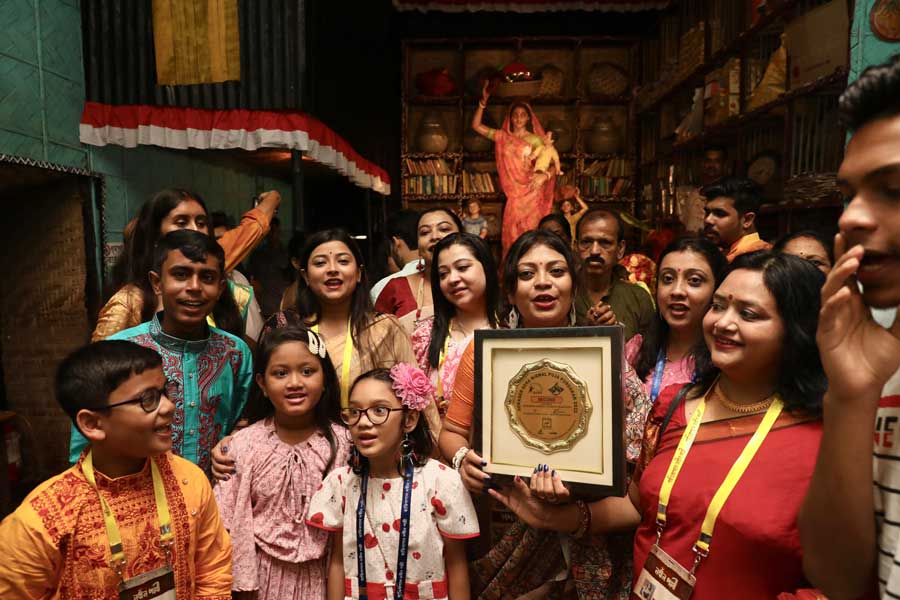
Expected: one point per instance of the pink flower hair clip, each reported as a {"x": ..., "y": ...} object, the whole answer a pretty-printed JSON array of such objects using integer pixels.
[{"x": 412, "y": 386}]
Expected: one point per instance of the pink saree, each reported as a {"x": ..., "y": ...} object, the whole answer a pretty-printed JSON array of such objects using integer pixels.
[{"x": 524, "y": 206}]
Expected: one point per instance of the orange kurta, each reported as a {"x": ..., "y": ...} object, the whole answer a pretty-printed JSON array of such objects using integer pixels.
[
  {"x": 55, "y": 544},
  {"x": 748, "y": 243}
]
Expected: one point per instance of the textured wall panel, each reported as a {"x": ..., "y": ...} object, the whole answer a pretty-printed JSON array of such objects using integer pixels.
[
  {"x": 17, "y": 17},
  {"x": 120, "y": 65}
]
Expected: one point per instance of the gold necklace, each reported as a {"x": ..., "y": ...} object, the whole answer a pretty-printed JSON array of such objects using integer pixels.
[{"x": 744, "y": 409}]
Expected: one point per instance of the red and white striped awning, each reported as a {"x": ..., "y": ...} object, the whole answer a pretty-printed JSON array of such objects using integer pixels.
[
  {"x": 183, "y": 128},
  {"x": 530, "y": 6}
]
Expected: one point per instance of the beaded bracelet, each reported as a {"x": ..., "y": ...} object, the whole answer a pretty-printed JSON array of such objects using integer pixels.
[
  {"x": 584, "y": 520},
  {"x": 458, "y": 458}
]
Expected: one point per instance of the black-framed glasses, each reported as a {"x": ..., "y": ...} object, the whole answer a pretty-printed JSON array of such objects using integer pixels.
[
  {"x": 375, "y": 414},
  {"x": 149, "y": 401}
]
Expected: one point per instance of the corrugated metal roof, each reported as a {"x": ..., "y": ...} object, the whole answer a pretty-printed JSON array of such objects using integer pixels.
[{"x": 120, "y": 65}]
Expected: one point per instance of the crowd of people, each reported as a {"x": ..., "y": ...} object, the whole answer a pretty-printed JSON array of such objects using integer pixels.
[{"x": 324, "y": 451}]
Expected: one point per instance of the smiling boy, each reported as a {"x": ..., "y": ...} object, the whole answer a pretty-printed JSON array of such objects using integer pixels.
[
  {"x": 209, "y": 370},
  {"x": 60, "y": 544}
]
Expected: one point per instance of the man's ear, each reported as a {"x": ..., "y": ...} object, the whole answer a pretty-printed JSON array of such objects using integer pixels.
[
  {"x": 620, "y": 252},
  {"x": 155, "y": 282},
  {"x": 748, "y": 219},
  {"x": 411, "y": 419},
  {"x": 91, "y": 425}
]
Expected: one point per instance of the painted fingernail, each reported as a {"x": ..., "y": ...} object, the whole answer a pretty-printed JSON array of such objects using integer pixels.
[
  {"x": 535, "y": 470},
  {"x": 484, "y": 463},
  {"x": 224, "y": 448},
  {"x": 546, "y": 468},
  {"x": 553, "y": 473}
]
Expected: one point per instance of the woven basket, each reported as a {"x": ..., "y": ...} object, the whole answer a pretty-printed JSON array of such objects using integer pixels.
[
  {"x": 551, "y": 81},
  {"x": 607, "y": 79},
  {"x": 810, "y": 188},
  {"x": 518, "y": 89}
]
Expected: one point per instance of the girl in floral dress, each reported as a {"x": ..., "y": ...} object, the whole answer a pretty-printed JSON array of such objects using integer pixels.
[
  {"x": 399, "y": 519},
  {"x": 280, "y": 461}
]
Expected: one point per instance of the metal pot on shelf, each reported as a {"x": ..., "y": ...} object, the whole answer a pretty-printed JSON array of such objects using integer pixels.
[
  {"x": 604, "y": 136},
  {"x": 432, "y": 135}
]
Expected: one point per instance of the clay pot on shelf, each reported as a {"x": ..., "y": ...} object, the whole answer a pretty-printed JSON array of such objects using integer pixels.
[
  {"x": 604, "y": 136},
  {"x": 432, "y": 136},
  {"x": 563, "y": 136}
]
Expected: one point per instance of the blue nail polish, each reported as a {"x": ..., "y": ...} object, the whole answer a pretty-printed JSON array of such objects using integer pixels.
[
  {"x": 224, "y": 449},
  {"x": 553, "y": 473},
  {"x": 484, "y": 463},
  {"x": 535, "y": 470}
]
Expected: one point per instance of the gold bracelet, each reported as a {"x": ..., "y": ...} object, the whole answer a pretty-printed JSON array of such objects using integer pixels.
[
  {"x": 482, "y": 104},
  {"x": 584, "y": 520}
]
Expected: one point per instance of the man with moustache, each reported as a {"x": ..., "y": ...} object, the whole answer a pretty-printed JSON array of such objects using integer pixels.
[
  {"x": 732, "y": 204},
  {"x": 606, "y": 297},
  {"x": 850, "y": 528}
]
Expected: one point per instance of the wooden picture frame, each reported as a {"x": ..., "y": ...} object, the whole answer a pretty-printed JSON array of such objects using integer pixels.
[{"x": 552, "y": 396}]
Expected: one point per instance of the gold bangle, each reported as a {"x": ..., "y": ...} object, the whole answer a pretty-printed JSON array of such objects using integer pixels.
[
  {"x": 482, "y": 104},
  {"x": 584, "y": 520}
]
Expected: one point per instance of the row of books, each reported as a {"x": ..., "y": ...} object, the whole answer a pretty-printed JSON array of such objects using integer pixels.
[
  {"x": 430, "y": 184},
  {"x": 433, "y": 166},
  {"x": 614, "y": 167},
  {"x": 478, "y": 183},
  {"x": 604, "y": 186}
]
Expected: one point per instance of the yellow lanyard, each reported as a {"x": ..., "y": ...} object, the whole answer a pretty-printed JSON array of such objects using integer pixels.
[
  {"x": 345, "y": 365},
  {"x": 701, "y": 547},
  {"x": 117, "y": 551}
]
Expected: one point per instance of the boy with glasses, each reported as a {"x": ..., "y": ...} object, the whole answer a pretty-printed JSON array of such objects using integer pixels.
[
  {"x": 209, "y": 370},
  {"x": 129, "y": 519}
]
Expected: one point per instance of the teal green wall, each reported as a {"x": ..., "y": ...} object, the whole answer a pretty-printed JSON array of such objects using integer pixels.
[
  {"x": 865, "y": 47},
  {"x": 41, "y": 98}
]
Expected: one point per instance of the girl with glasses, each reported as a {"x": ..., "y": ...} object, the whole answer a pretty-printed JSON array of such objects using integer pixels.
[
  {"x": 398, "y": 518},
  {"x": 280, "y": 462}
]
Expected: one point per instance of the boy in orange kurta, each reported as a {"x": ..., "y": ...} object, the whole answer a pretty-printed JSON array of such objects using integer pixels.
[{"x": 57, "y": 543}]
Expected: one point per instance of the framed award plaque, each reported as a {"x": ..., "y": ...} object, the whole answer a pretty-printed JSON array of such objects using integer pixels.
[{"x": 552, "y": 396}]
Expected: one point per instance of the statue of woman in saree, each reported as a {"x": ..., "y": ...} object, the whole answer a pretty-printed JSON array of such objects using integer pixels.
[{"x": 529, "y": 194}]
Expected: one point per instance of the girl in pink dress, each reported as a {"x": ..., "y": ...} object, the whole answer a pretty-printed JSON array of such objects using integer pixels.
[
  {"x": 399, "y": 518},
  {"x": 690, "y": 269},
  {"x": 529, "y": 195},
  {"x": 465, "y": 289},
  {"x": 280, "y": 462}
]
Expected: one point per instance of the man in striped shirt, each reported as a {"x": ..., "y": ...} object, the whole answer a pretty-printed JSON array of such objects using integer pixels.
[{"x": 850, "y": 521}]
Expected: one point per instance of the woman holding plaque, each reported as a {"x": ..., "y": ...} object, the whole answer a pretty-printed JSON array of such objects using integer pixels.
[
  {"x": 690, "y": 269},
  {"x": 539, "y": 283},
  {"x": 720, "y": 515},
  {"x": 465, "y": 289}
]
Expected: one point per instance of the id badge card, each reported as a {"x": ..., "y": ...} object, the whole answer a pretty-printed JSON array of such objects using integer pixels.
[
  {"x": 158, "y": 584},
  {"x": 662, "y": 578}
]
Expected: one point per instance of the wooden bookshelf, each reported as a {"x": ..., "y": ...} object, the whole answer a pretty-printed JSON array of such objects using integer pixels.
[{"x": 573, "y": 105}]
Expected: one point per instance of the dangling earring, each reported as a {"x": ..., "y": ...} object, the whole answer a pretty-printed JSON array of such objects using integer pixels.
[
  {"x": 407, "y": 455},
  {"x": 355, "y": 459},
  {"x": 573, "y": 316},
  {"x": 513, "y": 319}
]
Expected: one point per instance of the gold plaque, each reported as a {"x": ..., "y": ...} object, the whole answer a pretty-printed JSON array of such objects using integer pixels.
[{"x": 548, "y": 406}]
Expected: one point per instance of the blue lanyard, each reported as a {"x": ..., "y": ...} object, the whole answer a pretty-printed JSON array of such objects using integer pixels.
[
  {"x": 658, "y": 375},
  {"x": 400, "y": 579}
]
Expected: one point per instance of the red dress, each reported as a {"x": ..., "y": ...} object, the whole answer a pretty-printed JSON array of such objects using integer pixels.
[
  {"x": 396, "y": 298},
  {"x": 755, "y": 550}
]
